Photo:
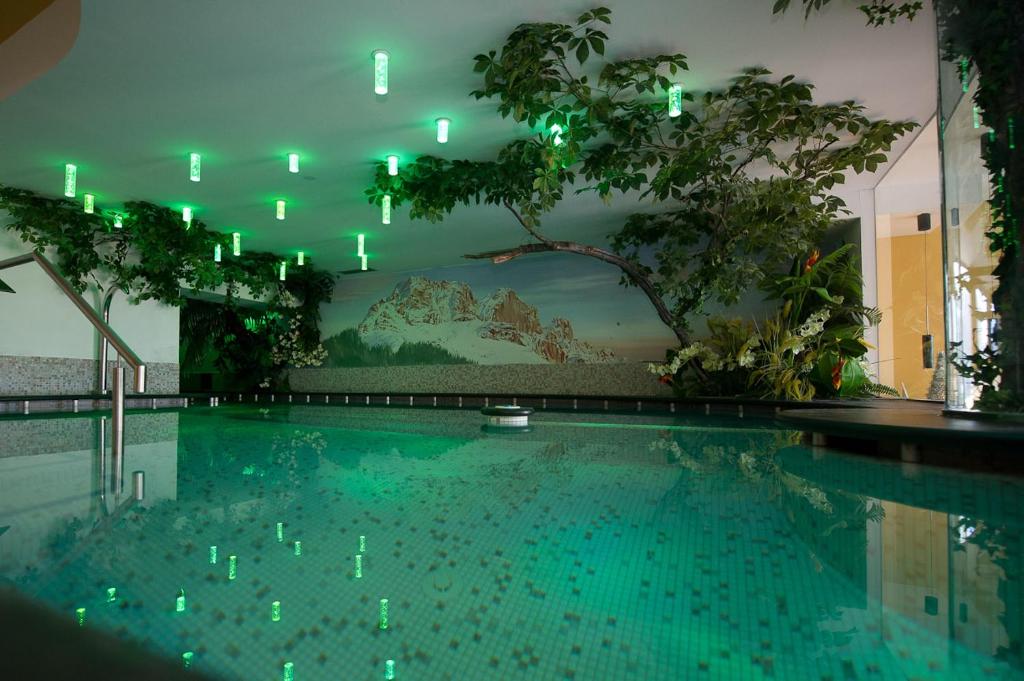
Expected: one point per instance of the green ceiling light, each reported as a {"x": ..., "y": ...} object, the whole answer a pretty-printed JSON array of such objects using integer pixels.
[
  {"x": 236, "y": 244},
  {"x": 442, "y": 130},
  {"x": 362, "y": 262},
  {"x": 194, "y": 166},
  {"x": 90, "y": 204},
  {"x": 556, "y": 134},
  {"x": 675, "y": 100},
  {"x": 385, "y": 210},
  {"x": 280, "y": 209},
  {"x": 282, "y": 270},
  {"x": 301, "y": 258},
  {"x": 186, "y": 215},
  {"x": 360, "y": 244},
  {"x": 118, "y": 221},
  {"x": 293, "y": 163},
  {"x": 70, "y": 179},
  {"x": 392, "y": 165},
  {"x": 380, "y": 71},
  {"x": 216, "y": 258}
]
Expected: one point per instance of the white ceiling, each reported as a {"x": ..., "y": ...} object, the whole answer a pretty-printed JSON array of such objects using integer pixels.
[{"x": 244, "y": 82}]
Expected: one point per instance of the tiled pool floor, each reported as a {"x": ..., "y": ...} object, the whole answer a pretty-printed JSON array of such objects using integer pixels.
[{"x": 615, "y": 548}]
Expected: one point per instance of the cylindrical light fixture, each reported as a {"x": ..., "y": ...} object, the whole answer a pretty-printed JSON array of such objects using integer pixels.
[
  {"x": 380, "y": 71},
  {"x": 70, "y": 180},
  {"x": 282, "y": 270},
  {"x": 301, "y": 258},
  {"x": 385, "y": 209},
  {"x": 360, "y": 243},
  {"x": 442, "y": 130},
  {"x": 362, "y": 264},
  {"x": 194, "y": 166},
  {"x": 392, "y": 164},
  {"x": 236, "y": 244},
  {"x": 186, "y": 214},
  {"x": 280, "y": 209},
  {"x": 675, "y": 100},
  {"x": 118, "y": 221},
  {"x": 556, "y": 134},
  {"x": 293, "y": 163},
  {"x": 216, "y": 252},
  {"x": 90, "y": 204}
]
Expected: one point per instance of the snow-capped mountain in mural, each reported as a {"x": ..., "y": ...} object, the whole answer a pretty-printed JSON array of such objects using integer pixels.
[{"x": 500, "y": 329}]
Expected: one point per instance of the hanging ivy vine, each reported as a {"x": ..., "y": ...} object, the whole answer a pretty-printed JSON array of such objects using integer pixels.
[{"x": 154, "y": 256}]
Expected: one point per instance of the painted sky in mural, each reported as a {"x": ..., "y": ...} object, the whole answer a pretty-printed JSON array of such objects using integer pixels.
[{"x": 548, "y": 308}]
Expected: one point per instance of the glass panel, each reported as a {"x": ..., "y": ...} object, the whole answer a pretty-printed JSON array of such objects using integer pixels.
[{"x": 966, "y": 217}]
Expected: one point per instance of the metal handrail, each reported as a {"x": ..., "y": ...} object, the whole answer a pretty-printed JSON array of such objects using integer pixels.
[
  {"x": 109, "y": 336},
  {"x": 94, "y": 318},
  {"x": 108, "y": 297}
]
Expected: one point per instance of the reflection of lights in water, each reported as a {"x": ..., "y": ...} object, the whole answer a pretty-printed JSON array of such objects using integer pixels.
[
  {"x": 359, "y": 566},
  {"x": 232, "y": 567},
  {"x": 383, "y": 613},
  {"x": 389, "y": 670},
  {"x": 280, "y": 532},
  {"x": 186, "y": 659},
  {"x": 362, "y": 543},
  {"x": 275, "y": 611},
  {"x": 179, "y": 603},
  {"x": 213, "y": 555},
  {"x": 80, "y": 616},
  {"x": 288, "y": 673},
  {"x": 298, "y": 548},
  {"x": 111, "y": 595}
]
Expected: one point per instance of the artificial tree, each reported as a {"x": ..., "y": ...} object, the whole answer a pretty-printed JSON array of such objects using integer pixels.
[
  {"x": 740, "y": 178},
  {"x": 153, "y": 255},
  {"x": 987, "y": 35}
]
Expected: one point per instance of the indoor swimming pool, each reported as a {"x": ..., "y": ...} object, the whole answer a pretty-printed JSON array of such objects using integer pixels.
[{"x": 321, "y": 542}]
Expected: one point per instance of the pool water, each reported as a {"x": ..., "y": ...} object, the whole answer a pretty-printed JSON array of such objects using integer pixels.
[{"x": 590, "y": 547}]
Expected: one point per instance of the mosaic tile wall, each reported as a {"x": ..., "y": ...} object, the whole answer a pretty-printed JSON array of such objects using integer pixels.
[
  {"x": 626, "y": 379},
  {"x": 69, "y": 376}
]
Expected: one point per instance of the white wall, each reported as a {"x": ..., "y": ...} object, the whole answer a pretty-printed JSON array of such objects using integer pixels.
[{"x": 39, "y": 320}]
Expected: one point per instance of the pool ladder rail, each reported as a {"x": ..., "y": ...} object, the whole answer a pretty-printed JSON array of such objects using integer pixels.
[{"x": 108, "y": 335}]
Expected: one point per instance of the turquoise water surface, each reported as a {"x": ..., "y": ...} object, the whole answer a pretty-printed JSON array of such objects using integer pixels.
[{"x": 591, "y": 547}]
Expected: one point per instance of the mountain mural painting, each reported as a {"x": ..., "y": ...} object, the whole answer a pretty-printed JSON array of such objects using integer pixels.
[{"x": 428, "y": 321}]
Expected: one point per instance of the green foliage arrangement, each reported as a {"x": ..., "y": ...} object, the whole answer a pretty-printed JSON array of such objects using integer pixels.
[
  {"x": 988, "y": 36},
  {"x": 154, "y": 256},
  {"x": 812, "y": 347},
  {"x": 742, "y": 179},
  {"x": 348, "y": 349}
]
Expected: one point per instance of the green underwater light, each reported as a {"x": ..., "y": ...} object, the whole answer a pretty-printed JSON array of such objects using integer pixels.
[
  {"x": 383, "y": 613},
  {"x": 275, "y": 611}
]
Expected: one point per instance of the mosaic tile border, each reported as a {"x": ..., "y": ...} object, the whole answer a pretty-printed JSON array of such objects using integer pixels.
[{"x": 24, "y": 376}]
